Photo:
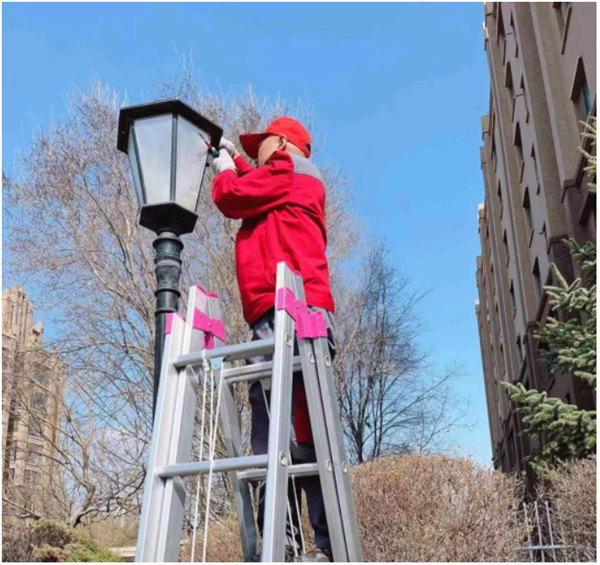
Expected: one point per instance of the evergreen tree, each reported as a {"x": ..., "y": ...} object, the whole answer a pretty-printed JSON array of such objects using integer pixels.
[{"x": 569, "y": 348}]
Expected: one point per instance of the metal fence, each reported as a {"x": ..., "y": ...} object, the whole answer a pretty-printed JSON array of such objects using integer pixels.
[{"x": 548, "y": 538}]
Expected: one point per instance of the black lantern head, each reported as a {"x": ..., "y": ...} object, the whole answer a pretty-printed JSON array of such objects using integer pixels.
[{"x": 167, "y": 147}]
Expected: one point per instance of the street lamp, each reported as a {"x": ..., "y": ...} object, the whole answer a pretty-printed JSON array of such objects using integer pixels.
[{"x": 167, "y": 147}]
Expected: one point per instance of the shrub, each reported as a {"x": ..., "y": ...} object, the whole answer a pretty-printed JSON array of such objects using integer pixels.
[
  {"x": 571, "y": 490},
  {"x": 45, "y": 540},
  {"x": 435, "y": 508},
  {"x": 224, "y": 544}
]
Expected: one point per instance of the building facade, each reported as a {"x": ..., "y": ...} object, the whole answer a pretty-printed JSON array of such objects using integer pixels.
[
  {"x": 542, "y": 64},
  {"x": 32, "y": 386}
]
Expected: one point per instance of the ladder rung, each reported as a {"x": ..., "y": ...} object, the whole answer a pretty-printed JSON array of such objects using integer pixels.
[
  {"x": 219, "y": 466},
  {"x": 302, "y": 470},
  {"x": 256, "y": 371},
  {"x": 231, "y": 352}
]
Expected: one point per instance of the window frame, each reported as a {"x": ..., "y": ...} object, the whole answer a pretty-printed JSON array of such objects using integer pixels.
[
  {"x": 537, "y": 276},
  {"x": 528, "y": 213}
]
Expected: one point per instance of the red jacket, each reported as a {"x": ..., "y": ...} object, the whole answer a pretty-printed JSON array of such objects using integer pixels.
[{"x": 282, "y": 207}]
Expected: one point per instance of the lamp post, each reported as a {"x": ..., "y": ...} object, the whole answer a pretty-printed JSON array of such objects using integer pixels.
[{"x": 167, "y": 147}]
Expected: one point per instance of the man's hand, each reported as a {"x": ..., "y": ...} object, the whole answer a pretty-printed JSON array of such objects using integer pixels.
[
  {"x": 229, "y": 147},
  {"x": 223, "y": 162}
]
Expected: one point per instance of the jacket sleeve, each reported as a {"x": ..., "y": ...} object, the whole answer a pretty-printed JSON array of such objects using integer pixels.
[
  {"x": 242, "y": 166},
  {"x": 257, "y": 192}
]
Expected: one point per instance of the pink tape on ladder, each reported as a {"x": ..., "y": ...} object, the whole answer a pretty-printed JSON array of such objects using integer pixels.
[
  {"x": 308, "y": 324},
  {"x": 211, "y": 328},
  {"x": 209, "y": 294},
  {"x": 286, "y": 300},
  {"x": 311, "y": 325},
  {"x": 169, "y": 322}
]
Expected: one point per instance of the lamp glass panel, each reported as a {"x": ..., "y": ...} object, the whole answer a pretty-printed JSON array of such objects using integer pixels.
[
  {"x": 192, "y": 153},
  {"x": 137, "y": 183},
  {"x": 153, "y": 136}
]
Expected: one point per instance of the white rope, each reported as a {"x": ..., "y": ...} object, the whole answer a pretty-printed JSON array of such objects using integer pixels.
[
  {"x": 205, "y": 373},
  {"x": 213, "y": 429},
  {"x": 289, "y": 508},
  {"x": 211, "y": 458}
]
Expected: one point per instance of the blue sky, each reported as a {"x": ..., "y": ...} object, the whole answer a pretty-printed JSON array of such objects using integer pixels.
[{"x": 398, "y": 90}]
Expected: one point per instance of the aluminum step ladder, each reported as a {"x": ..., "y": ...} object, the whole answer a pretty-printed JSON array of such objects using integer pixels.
[{"x": 201, "y": 336}]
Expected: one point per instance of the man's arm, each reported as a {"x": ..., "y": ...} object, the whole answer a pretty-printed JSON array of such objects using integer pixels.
[
  {"x": 257, "y": 191},
  {"x": 242, "y": 165}
]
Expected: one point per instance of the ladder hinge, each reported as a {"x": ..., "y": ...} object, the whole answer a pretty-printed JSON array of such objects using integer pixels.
[
  {"x": 308, "y": 324},
  {"x": 211, "y": 327}
]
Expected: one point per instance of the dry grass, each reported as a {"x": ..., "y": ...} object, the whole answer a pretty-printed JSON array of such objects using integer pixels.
[
  {"x": 571, "y": 490},
  {"x": 224, "y": 545},
  {"x": 417, "y": 508},
  {"x": 436, "y": 508},
  {"x": 424, "y": 509}
]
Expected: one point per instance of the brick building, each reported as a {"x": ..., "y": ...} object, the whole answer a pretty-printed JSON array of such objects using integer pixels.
[
  {"x": 32, "y": 384},
  {"x": 542, "y": 63}
]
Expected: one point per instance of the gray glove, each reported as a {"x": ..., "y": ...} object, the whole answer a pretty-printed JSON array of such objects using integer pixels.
[
  {"x": 228, "y": 146},
  {"x": 223, "y": 162}
]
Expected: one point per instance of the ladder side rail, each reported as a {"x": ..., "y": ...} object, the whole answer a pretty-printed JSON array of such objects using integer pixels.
[
  {"x": 233, "y": 444},
  {"x": 341, "y": 466},
  {"x": 321, "y": 440},
  {"x": 164, "y": 424},
  {"x": 169, "y": 544},
  {"x": 279, "y": 429}
]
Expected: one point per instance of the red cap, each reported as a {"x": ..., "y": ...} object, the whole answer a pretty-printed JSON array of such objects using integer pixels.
[{"x": 292, "y": 129}]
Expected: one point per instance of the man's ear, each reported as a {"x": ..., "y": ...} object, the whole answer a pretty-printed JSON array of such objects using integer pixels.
[{"x": 282, "y": 142}]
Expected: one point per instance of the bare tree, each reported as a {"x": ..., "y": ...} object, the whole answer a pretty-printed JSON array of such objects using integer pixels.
[
  {"x": 71, "y": 234},
  {"x": 389, "y": 400}
]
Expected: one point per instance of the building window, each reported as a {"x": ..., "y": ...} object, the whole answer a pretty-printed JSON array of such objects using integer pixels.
[
  {"x": 535, "y": 167},
  {"x": 545, "y": 233},
  {"x": 508, "y": 82},
  {"x": 34, "y": 454},
  {"x": 32, "y": 477},
  {"x": 512, "y": 297},
  {"x": 563, "y": 13},
  {"x": 538, "y": 278},
  {"x": 527, "y": 209},
  {"x": 501, "y": 37},
  {"x": 514, "y": 34},
  {"x": 11, "y": 475},
  {"x": 519, "y": 150},
  {"x": 35, "y": 426},
  {"x": 519, "y": 349},
  {"x": 524, "y": 94},
  {"x": 580, "y": 93},
  {"x": 499, "y": 193},
  {"x": 526, "y": 378},
  {"x": 505, "y": 242},
  {"x": 42, "y": 380},
  {"x": 37, "y": 402}
]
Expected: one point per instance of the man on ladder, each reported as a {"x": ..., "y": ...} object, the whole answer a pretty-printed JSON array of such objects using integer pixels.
[{"x": 281, "y": 203}]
